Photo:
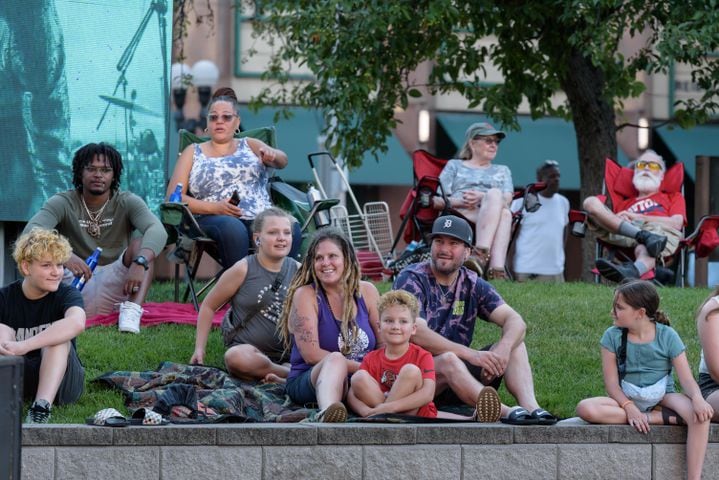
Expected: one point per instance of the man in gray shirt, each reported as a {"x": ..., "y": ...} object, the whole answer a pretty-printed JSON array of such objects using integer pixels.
[{"x": 97, "y": 214}]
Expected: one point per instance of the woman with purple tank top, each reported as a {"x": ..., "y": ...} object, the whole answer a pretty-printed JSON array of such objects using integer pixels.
[{"x": 330, "y": 321}]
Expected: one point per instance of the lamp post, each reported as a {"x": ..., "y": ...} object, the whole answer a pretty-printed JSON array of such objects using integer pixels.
[{"x": 203, "y": 75}]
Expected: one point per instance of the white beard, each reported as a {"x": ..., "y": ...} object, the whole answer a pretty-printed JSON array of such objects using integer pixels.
[{"x": 646, "y": 184}]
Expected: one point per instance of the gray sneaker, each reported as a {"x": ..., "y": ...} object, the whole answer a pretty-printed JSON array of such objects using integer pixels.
[
  {"x": 39, "y": 412},
  {"x": 616, "y": 273},
  {"x": 655, "y": 243}
]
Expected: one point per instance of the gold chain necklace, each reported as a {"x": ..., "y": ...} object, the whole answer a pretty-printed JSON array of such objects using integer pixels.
[{"x": 93, "y": 224}]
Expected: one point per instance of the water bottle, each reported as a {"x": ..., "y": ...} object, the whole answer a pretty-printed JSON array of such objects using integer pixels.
[
  {"x": 176, "y": 196},
  {"x": 322, "y": 219},
  {"x": 91, "y": 261}
]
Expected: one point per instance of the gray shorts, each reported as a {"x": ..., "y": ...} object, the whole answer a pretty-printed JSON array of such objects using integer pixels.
[{"x": 73, "y": 382}]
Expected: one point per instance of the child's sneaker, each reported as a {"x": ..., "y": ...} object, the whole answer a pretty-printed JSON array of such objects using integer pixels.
[
  {"x": 489, "y": 407},
  {"x": 129, "y": 320},
  {"x": 39, "y": 412},
  {"x": 335, "y": 413}
]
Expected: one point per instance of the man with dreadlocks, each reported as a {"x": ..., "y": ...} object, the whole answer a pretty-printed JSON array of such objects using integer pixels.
[{"x": 98, "y": 214}]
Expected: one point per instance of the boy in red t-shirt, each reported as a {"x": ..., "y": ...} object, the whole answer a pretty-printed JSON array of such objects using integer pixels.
[{"x": 398, "y": 378}]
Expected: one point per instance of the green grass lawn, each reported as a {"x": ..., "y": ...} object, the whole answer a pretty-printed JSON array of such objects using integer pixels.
[{"x": 565, "y": 323}]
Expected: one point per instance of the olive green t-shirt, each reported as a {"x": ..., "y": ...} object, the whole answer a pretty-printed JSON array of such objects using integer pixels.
[{"x": 125, "y": 213}]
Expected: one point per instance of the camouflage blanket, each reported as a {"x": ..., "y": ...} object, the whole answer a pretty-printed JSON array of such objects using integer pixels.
[{"x": 200, "y": 394}]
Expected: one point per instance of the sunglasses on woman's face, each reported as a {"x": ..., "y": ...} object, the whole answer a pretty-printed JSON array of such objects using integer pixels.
[
  {"x": 226, "y": 117},
  {"x": 653, "y": 166},
  {"x": 488, "y": 140}
]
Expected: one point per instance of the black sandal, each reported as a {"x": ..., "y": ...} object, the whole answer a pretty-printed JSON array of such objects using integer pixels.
[{"x": 668, "y": 414}]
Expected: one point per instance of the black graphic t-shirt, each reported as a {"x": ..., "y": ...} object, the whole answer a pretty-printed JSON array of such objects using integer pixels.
[{"x": 30, "y": 317}]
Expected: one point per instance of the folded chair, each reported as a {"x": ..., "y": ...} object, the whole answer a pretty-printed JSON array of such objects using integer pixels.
[
  {"x": 418, "y": 214},
  {"x": 191, "y": 243},
  {"x": 618, "y": 187}
]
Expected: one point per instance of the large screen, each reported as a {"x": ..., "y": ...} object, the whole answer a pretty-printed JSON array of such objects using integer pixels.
[{"x": 74, "y": 72}]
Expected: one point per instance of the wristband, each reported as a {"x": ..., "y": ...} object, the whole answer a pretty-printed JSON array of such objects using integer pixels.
[{"x": 625, "y": 404}]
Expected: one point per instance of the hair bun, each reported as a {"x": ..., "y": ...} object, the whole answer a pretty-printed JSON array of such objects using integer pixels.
[{"x": 225, "y": 92}]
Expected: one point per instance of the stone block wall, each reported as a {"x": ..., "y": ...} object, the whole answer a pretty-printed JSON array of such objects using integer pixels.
[{"x": 358, "y": 451}]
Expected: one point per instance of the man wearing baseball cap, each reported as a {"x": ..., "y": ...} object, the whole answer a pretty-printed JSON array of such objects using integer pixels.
[{"x": 451, "y": 298}]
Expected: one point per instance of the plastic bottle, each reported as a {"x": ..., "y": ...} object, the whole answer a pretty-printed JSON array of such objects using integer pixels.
[
  {"x": 91, "y": 261},
  {"x": 412, "y": 246},
  {"x": 322, "y": 219},
  {"x": 176, "y": 196}
]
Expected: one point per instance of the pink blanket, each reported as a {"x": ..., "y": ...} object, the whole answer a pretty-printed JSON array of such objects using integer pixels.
[{"x": 157, "y": 313}]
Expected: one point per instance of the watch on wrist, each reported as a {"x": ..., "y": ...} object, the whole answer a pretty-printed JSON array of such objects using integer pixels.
[{"x": 142, "y": 261}]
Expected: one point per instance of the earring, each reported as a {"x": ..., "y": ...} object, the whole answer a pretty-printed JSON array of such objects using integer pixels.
[
  {"x": 205, "y": 130},
  {"x": 257, "y": 242},
  {"x": 237, "y": 131}
]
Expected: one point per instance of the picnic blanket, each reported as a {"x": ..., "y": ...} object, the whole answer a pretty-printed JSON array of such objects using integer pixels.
[
  {"x": 157, "y": 313},
  {"x": 219, "y": 397}
]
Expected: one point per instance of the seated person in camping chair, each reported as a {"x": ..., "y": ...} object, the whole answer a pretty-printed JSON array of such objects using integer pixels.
[
  {"x": 211, "y": 171},
  {"x": 650, "y": 222},
  {"x": 481, "y": 191}
]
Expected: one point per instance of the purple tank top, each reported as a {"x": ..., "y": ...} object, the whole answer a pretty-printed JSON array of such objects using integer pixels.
[{"x": 328, "y": 329}]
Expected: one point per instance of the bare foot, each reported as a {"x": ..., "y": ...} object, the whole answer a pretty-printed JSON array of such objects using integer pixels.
[{"x": 273, "y": 378}]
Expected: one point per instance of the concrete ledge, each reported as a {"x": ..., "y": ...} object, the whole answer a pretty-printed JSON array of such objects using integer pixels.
[{"x": 358, "y": 451}]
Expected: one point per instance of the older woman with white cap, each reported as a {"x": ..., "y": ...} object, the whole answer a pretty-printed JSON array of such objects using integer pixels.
[{"x": 482, "y": 191}]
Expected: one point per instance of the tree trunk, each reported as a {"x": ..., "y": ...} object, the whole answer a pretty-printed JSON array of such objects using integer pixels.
[{"x": 594, "y": 118}]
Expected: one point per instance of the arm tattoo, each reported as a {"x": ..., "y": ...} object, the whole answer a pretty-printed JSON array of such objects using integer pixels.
[{"x": 299, "y": 327}]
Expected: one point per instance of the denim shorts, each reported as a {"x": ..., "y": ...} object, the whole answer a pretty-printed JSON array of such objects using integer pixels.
[{"x": 300, "y": 389}]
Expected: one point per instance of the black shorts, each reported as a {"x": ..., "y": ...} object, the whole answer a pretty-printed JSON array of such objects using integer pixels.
[
  {"x": 73, "y": 382},
  {"x": 448, "y": 397},
  {"x": 707, "y": 385}
]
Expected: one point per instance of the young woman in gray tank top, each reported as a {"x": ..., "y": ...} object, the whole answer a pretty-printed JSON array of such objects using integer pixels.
[{"x": 256, "y": 286}]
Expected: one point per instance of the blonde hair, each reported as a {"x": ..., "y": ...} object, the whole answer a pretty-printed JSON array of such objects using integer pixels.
[
  {"x": 261, "y": 217},
  {"x": 399, "y": 298},
  {"x": 350, "y": 282},
  {"x": 39, "y": 243}
]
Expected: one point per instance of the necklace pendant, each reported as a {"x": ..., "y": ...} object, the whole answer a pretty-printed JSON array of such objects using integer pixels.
[{"x": 93, "y": 229}]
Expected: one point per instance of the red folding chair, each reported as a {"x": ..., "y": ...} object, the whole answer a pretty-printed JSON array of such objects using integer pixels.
[
  {"x": 619, "y": 187},
  {"x": 418, "y": 214}
]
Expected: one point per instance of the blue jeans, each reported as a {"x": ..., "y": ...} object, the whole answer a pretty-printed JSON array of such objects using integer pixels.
[{"x": 233, "y": 237}]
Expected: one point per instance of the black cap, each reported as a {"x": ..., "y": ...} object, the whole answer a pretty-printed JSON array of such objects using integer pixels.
[{"x": 453, "y": 226}]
